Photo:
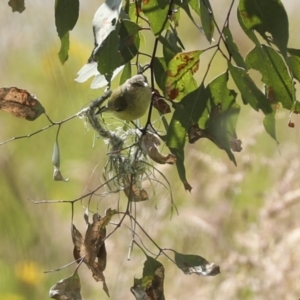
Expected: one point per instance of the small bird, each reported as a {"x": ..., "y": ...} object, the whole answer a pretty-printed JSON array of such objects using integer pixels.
[{"x": 131, "y": 100}]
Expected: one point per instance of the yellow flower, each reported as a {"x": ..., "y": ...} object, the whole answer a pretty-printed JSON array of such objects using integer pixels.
[{"x": 29, "y": 272}]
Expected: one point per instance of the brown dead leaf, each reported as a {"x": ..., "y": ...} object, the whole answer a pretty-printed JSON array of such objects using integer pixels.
[
  {"x": 17, "y": 5},
  {"x": 91, "y": 247},
  {"x": 20, "y": 103},
  {"x": 151, "y": 285},
  {"x": 160, "y": 104},
  {"x": 133, "y": 192},
  {"x": 149, "y": 143}
]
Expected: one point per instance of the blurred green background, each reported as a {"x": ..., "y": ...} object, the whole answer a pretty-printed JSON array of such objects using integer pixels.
[{"x": 243, "y": 218}]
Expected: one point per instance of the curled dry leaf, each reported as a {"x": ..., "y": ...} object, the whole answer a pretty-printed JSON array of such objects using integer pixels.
[
  {"x": 133, "y": 192},
  {"x": 20, "y": 103},
  {"x": 190, "y": 264},
  {"x": 160, "y": 104},
  {"x": 91, "y": 247},
  {"x": 150, "y": 286},
  {"x": 66, "y": 289},
  {"x": 57, "y": 176},
  {"x": 17, "y": 5},
  {"x": 149, "y": 142}
]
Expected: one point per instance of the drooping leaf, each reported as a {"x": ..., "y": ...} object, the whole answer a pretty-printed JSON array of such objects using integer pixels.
[
  {"x": 63, "y": 53},
  {"x": 207, "y": 19},
  {"x": 269, "y": 123},
  {"x": 223, "y": 114},
  {"x": 149, "y": 143},
  {"x": 157, "y": 13},
  {"x": 267, "y": 17},
  {"x": 91, "y": 248},
  {"x": 66, "y": 16},
  {"x": 186, "y": 5},
  {"x": 17, "y": 5},
  {"x": 233, "y": 49},
  {"x": 274, "y": 74},
  {"x": 249, "y": 32},
  {"x": 196, "y": 264},
  {"x": 67, "y": 289},
  {"x": 180, "y": 80},
  {"x": 150, "y": 286},
  {"x": 249, "y": 91},
  {"x": 254, "y": 96},
  {"x": 187, "y": 112},
  {"x": 195, "y": 5},
  {"x": 20, "y": 103}
]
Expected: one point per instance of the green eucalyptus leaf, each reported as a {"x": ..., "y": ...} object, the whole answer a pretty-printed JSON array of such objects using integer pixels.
[
  {"x": 170, "y": 45},
  {"x": 254, "y": 96},
  {"x": 267, "y": 17},
  {"x": 195, "y": 5},
  {"x": 220, "y": 125},
  {"x": 233, "y": 49},
  {"x": 187, "y": 113},
  {"x": 185, "y": 5},
  {"x": 207, "y": 19},
  {"x": 129, "y": 40},
  {"x": 250, "y": 33},
  {"x": 274, "y": 74},
  {"x": 108, "y": 55},
  {"x": 157, "y": 13},
  {"x": 270, "y": 125},
  {"x": 63, "y": 53},
  {"x": 66, "y": 16},
  {"x": 249, "y": 91},
  {"x": 120, "y": 47}
]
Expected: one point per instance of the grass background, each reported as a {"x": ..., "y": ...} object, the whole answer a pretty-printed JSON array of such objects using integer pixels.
[{"x": 243, "y": 218}]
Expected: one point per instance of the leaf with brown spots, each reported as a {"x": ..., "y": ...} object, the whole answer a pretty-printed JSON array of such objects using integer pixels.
[
  {"x": 180, "y": 80},
  {"x": 20, "y": 103},
  {"x": 17, "y": 5}
]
